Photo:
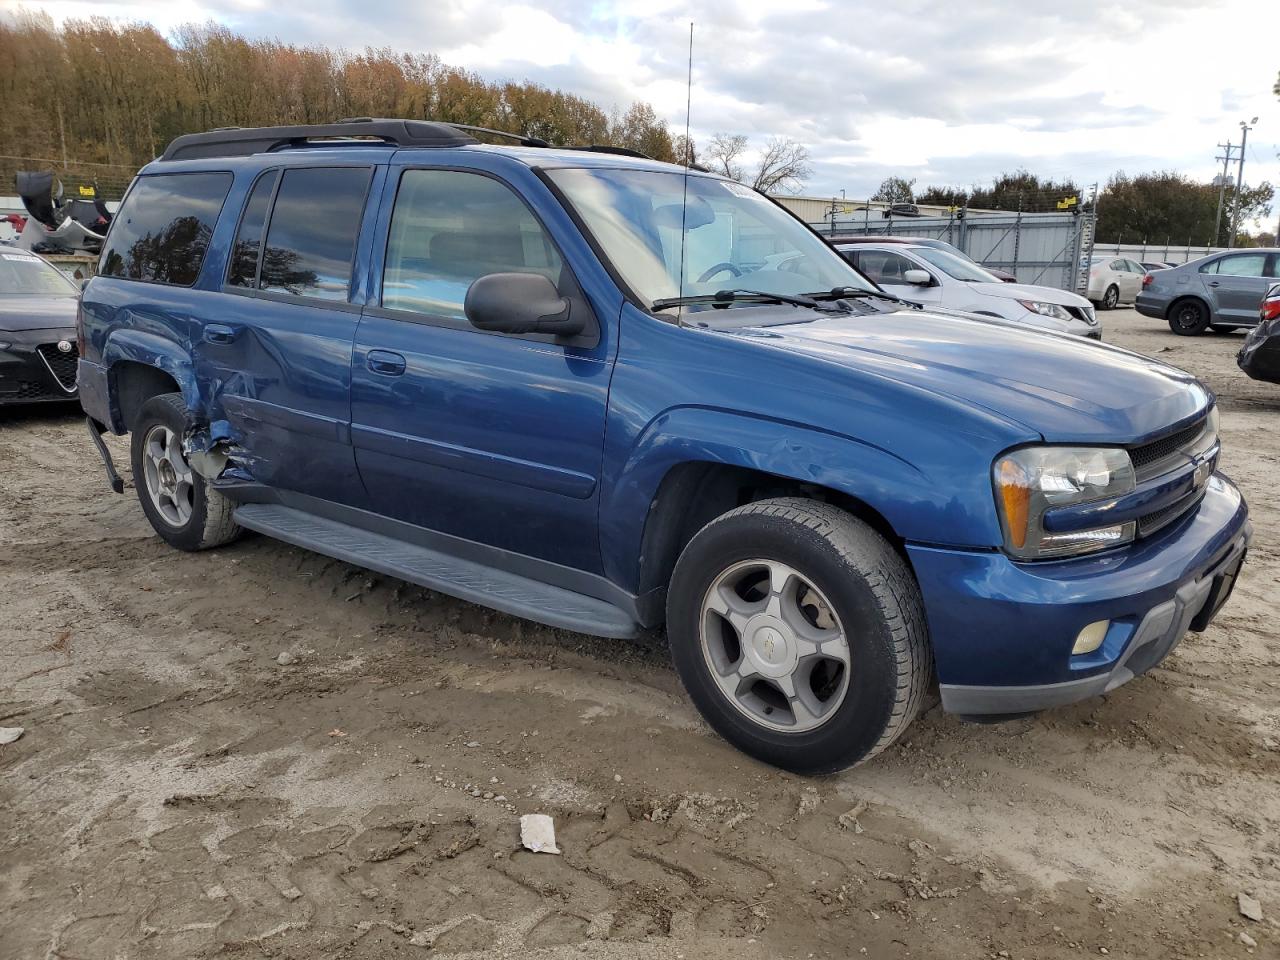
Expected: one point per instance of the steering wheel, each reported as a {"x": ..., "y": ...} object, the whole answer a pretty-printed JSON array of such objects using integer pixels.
[{"x": 711, "y": 272}]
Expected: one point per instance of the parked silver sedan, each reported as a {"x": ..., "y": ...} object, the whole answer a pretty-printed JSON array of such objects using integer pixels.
[{"x": 1218, "y": 292}]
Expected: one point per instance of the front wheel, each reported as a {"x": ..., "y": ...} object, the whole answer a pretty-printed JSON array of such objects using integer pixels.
[
  {"x": 177, "y": 500},
  {"x": 1189, "y": 318},
  {"x": 1111, "y": 298},
  {"x": 799, "y": 633}
]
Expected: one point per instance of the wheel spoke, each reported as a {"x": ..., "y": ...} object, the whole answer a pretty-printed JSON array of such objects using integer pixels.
[
  {"x": 731, "y": 607},
  {"x": 781, "y": 587}
]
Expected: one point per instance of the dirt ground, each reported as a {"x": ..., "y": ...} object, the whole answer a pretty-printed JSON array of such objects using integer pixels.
[{"x": 179, "y": 792}]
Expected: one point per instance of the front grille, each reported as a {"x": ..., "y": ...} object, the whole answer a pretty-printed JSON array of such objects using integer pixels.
[
  {"x": 30, "y": 390},
  {"x": 1160, "y": 519},
  {"x": 61, "y": 365},
  {"x": 1165, "y": 446}
]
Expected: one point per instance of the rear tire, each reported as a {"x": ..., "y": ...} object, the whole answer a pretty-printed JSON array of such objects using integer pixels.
[
  {"x": 1111, "y": 298},
  {"x": 177, "y": 500},
  {"x": 1189, "y": 317},
  {"x": 806, "y": 588}
]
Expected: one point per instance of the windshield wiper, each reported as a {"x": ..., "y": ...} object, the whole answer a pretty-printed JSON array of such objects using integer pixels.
[
  {"x": 726, "y": 297},
  {"x": 855, "y": 293}
]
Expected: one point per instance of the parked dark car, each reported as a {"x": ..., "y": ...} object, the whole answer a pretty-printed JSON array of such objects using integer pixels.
[
  {"x": 484, "y": 370},
  {"x": 1004, "y": 275},
  {"x": 1259, "y": 357},
  {"x": 37, "y": 330},
  {"x": 1219, "y": 292}
]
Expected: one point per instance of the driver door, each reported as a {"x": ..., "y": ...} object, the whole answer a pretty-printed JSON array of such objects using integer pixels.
[{"x": 888, "y": 269}]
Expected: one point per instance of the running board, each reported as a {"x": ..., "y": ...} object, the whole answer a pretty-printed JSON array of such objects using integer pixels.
[{"x": 464, "y": 579}]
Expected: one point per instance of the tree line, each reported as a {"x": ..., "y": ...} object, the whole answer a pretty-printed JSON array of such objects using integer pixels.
[
  {"x": 101, "y": 92},
  {"x": 1157, "y": 208}
]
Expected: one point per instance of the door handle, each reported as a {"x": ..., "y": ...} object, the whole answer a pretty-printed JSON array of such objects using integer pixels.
[
  {"x": 1213, "y": 283},
  {"x": 385, "y": 362},
  {"x": 220, "y": 333}
]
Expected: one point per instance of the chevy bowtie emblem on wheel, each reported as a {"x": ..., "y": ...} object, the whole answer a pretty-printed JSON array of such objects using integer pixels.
[{"x": 64, "y": 346}]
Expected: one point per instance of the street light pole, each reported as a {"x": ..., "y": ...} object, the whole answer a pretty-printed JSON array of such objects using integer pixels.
[{"x": 1235, "y": 206}]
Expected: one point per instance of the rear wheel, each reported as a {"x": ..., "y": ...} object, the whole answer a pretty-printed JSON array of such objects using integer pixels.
[
  {"x": 1111, "y": 297},
  {"x": 177, "y": 500},
  {"x": 1188, "y": 318},
  {"x": 799, "y": 633}
]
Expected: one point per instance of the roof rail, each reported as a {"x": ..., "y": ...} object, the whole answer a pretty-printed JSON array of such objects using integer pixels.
[{"x": 244, "y": 141}]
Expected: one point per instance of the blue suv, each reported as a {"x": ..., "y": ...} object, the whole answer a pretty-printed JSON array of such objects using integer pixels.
[{"x": 609, "y": 394}]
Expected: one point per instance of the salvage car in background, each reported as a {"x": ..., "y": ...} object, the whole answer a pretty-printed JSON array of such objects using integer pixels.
[
  {"x": 937, "y": 278},
  {"x": 1260, "y": 355},
  {"x": 37, "y": 330},
  {"x": 1219, "y": 292},
  {"x": 934, "y": 242},
  {"x": 1114, "y": 280}
]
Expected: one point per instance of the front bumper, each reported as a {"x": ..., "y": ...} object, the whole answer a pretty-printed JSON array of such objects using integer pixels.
[
  {"x": 33, "y": 369},
  {"x": 1003, "y": 631}
]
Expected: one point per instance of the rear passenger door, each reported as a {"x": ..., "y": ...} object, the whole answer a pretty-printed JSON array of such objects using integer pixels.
[
  {"x": 277, "y": 358},
  {"x": 491, "y": 437},
  {"x": 1238, "y": 282}
]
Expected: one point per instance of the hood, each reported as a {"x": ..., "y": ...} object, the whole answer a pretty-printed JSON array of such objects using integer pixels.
[
  {"x": 37, "y": 313},
  {"x": 1025, "y": 291},
  {"x": 1066, "y": 388}
]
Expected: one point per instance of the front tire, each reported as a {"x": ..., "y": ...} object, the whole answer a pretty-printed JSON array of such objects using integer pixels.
[
  {"x": 1111, "y": 298},
  {"x": 1188, "y": 318},
  {"x": 177, "y": 500},
  {"x": 799, "y": 633}
]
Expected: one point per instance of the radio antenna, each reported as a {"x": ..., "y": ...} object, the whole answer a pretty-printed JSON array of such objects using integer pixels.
[{"x": 688, "y": 159}]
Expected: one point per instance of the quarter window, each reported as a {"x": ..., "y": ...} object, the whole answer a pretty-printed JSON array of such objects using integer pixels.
[
  {"x": 162, "y": 232},
  {"x": 449, "y": 229},
  {"x": 244, "y": 256},
  {"x": 311, "y": 236}
]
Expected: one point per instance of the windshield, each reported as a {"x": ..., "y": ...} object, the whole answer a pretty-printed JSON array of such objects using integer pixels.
[
  {"x": 954, "y": 266},
  {"x": 735, "y": 238},
  {"x": 21, "y": 274}
]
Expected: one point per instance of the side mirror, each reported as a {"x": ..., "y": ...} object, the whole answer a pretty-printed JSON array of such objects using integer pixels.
[
  {"x": 918, "y": 278},
  {"x": 521, "y": 303}
]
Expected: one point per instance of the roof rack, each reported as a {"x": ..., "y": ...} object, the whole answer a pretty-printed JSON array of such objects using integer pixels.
[{"x": 245, "y": 141}]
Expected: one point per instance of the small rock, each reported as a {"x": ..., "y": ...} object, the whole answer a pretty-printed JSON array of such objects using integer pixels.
[
  {"x": 488, "y": 794},
  {"x": 1247, "y": 940},
  {"x": 1103, "y": 950},
  {"x": 472, "y": 743},
  {"x": 286, "y": 659},
  {"x": 10, "y": 734},
  {"x": 617, "y": 778},
  {"x": 291, "y": 893},
  {"x": 1249, "y": 907},
  {"x": 216, "y": 892}
]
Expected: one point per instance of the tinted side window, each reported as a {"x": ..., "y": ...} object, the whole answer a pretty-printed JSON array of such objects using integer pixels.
[
  {"x": 449, "y": 229},
  {"x": 311, "y": 237},
  {"x": 244, "y": 255},
  {"x": 1243, "y": 265},
  {"x": 162, "y": 232}
]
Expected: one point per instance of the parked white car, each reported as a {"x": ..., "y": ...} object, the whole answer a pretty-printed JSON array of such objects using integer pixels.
[
  {"x": 936, "y": 278},
  {"x": 1114, "y": 280}
]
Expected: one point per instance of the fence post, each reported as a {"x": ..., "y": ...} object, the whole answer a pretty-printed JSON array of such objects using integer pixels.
[
  {"x": 964, "y": 227},
  {"x": 1017, "y": 236}
]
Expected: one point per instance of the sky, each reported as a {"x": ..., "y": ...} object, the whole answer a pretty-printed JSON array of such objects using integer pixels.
[{"x": 946, "y": 93}]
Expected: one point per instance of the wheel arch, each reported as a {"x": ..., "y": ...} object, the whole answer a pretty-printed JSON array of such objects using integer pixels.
[{"x": 140, "y": 366}]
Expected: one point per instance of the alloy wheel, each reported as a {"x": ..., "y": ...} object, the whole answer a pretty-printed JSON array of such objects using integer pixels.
[
  {"x": 775, "y": 646},
  {"x": 167, "y": 476}
]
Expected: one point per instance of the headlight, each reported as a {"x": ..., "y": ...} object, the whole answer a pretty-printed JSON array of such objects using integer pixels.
[
  {"x": 1046, "y": 309},
  {"x": 1031, "y": 481}
]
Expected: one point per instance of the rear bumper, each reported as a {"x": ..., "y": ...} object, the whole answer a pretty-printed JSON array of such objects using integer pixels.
[
  {"x": 1150, "y": 306},
  {"x": 1003, "y": 631},
  {"x": 31, "y": 362}
]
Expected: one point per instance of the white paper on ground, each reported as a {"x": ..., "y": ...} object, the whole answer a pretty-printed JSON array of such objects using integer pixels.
[
  {"x": 538, "y": 833},
  {"x": 10, "y": 734}
]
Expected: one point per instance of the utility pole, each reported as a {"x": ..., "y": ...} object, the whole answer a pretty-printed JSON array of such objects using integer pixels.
[
  {"x": 1235, "y": 206},
  {"x": 1226, "y": 158}
]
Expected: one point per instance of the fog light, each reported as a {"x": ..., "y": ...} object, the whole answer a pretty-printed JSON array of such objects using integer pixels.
[{"x": 1090, "y": 638}]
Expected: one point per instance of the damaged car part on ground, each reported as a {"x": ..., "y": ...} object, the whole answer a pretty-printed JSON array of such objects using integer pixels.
[
  {"x": 610, "y": 394},
  {"x": 38, "y": 350}
]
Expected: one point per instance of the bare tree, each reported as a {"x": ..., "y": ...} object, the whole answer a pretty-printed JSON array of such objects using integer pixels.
[
  {"x": 724, "y": 155},
  {"x": 783, "y": 166}
]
